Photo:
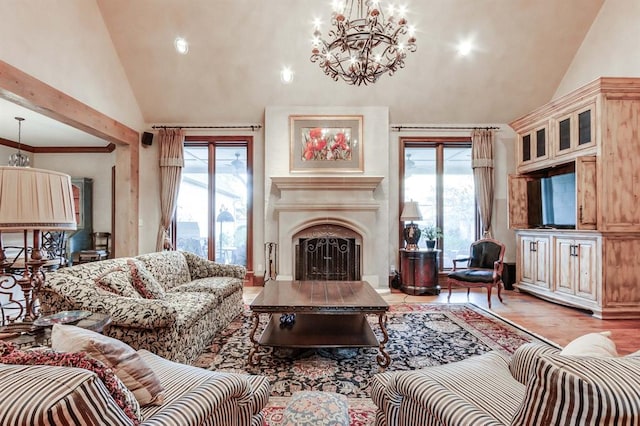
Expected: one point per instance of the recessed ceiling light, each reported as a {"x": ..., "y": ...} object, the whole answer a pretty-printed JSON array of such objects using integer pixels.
[
  {"x": 465, "y": 47},
  {"x": 181, "y": 45},
  {"x": 286, "y": 75}
]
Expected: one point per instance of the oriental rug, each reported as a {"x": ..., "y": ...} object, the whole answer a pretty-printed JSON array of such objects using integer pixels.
[{"x": 420, "y": 335}]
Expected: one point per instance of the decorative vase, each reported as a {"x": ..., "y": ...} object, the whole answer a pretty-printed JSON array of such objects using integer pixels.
[{"x": 412, "y": 236}]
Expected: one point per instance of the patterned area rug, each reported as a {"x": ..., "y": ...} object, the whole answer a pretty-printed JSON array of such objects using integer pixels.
[{"x": 420, "y": 335}]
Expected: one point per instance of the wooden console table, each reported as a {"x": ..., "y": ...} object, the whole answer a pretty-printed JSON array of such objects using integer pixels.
[{"x": 419, "y": 271}]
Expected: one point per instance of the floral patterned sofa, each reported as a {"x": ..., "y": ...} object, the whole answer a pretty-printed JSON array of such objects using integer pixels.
[{"x": 170, "y": 303}]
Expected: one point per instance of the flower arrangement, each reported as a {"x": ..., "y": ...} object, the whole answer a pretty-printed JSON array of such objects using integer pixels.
[{"x": 326, "y": 144}]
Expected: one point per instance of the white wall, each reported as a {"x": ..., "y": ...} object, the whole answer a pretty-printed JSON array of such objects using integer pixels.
[
  {"x": 65, "y": 44},
  {"x": 610, "y": 48}
]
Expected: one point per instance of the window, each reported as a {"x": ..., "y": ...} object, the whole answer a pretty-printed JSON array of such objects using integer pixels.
[
  {"x": 213, "y": 213},
  {"x": 437, "y": 174}
]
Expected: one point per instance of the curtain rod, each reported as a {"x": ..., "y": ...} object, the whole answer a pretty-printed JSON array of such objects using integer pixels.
[
  {"x": 400, "y": 128},
  {"x": 253, "y": 127}
]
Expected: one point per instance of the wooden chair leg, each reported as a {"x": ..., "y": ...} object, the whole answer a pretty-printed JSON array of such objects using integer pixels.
[
  {"x": 500, "y": 285},
  {"x": 468, "y": 291},
  {"x": 489, "y": 296},
  {"x": 449, "y": 296}
]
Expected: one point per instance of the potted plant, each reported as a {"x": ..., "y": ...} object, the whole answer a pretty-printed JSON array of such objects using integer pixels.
[{"x": 431, "y": 234}]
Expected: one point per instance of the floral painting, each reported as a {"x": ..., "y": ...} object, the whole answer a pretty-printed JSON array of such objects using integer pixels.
[{"x": 326, "y": 143}]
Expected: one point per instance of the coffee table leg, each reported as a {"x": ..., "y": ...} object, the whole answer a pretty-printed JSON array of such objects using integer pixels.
[
  {"x": 383, "y": 357},
  {"x": 253, "y": 358}
]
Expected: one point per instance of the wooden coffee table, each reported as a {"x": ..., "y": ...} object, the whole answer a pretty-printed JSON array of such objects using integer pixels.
[{"x": 328, "y": 314}]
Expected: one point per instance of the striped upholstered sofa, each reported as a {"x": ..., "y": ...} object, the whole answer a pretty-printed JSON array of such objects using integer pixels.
[
  {"x": 536, "y": 386},
  {"x": 170, "y": 303},
  {"x": 45, "y": 395}
]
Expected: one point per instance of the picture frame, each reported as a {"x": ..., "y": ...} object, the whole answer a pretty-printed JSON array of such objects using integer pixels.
[{"x": 326, "y": 143}]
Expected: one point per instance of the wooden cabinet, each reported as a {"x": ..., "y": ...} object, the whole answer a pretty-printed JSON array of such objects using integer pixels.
[
  {"x": 533, "y": 146},
  {"x": 586, "y": 193},
  {"x": 577, "y": 270},
  {"x": 419, "y": 271},
  {"x": 574, "y": 131},
  {"x": 534, "y": 260},
  {"x": 591, "y": 132},
  {"x": 619, "y": 165}
]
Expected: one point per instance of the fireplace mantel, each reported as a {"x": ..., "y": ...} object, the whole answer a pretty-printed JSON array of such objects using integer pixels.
[
  {"x": 315, "y": 193},
  {"x": 310, "y": 183}
]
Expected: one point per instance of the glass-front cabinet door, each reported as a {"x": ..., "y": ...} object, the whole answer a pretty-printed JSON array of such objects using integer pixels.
[
  {"x": 575, "y": 131},
  {"x": 533, "y": 146}
]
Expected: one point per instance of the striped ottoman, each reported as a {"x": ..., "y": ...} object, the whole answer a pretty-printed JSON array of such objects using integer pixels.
[{"x": 311, "y": 408}]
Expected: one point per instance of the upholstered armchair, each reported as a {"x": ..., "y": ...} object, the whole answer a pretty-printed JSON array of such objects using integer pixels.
[{"x": 483, "y": 268}]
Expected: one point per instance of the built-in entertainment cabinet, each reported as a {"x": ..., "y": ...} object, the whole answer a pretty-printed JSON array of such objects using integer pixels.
[
  {"x": 551, "y": 198},
  {"x": 574, "y": 209}
]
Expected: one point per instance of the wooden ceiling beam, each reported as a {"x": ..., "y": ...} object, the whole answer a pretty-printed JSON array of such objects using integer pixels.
[{"x": 31, "y": 93}]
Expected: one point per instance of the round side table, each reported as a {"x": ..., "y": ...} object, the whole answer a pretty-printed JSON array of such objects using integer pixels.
[{"x": 26, "y": 335}]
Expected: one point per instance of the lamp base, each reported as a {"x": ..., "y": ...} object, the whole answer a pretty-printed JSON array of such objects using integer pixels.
[{"x": 411, "y": 234}]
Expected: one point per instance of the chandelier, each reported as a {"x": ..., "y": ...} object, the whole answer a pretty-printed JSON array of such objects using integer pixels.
[
  {"x": 19, "y": 159},
  {"x": 363, "y": 43}
]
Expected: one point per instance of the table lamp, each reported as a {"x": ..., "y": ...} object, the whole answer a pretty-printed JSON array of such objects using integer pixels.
[
  {"x": 34, "y": 200},
  {"x": 411, "y": 212}
]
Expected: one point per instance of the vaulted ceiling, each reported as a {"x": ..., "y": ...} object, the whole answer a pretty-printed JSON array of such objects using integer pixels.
[{"x": 238, "y": 47}]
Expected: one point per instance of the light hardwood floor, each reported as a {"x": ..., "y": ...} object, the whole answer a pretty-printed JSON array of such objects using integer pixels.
[{"x": 557, "y": 323}]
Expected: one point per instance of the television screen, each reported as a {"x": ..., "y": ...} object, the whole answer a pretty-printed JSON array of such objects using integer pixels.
[{"x": 559, "y": 201}]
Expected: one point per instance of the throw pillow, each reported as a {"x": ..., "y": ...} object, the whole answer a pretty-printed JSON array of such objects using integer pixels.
[
  {"x": 578, "y": 390},
  {"x": 635, "y": 354},
  {"x": 134, "y": 372},
  {"x": 119, "y": 392},
  {"x": 144, "y": 282},
  {"x": 592, "y": 344},
  {"x": 117, "y": 281}
]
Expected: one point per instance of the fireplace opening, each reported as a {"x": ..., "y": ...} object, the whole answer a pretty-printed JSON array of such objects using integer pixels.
[
  {"x": 327, "y": 252},
  {"x": 328, "y": 259}
]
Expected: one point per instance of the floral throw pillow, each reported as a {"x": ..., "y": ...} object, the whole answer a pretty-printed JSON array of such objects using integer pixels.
[
  {"x": 119, "y": 392},
  {"x": 117, "y": 281},
  {"x": 143, "y": 281}
]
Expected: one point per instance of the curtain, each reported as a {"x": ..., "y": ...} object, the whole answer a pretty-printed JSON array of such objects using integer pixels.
[
  {"x": 171, "y": 164},
  {"x": 482, "y": 164}
]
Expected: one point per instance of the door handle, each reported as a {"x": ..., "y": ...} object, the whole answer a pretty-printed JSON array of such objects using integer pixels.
[{"x": 573, "y": 250}]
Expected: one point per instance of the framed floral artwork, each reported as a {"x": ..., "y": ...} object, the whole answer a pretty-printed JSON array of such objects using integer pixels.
[{"x": 323, "y": 143}]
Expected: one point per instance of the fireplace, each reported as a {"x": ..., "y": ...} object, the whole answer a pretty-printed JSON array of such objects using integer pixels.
[
  {"x": 330, "y": 228},
  {"x": 327, "y": 253}
]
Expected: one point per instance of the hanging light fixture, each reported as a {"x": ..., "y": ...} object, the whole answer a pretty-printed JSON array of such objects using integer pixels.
[
  {"x": 19, "y": 159},
  {"x": 364, "y": 42}
]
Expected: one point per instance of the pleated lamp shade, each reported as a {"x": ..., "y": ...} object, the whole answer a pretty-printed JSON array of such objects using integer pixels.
[{"x": 35, "y": 199}]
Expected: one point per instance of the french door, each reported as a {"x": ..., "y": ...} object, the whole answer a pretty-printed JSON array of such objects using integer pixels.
[{"x": 214, "y": 210}]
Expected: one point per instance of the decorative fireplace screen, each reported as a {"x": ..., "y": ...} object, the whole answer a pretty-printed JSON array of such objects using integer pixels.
[{"x": 328, "y": 258}]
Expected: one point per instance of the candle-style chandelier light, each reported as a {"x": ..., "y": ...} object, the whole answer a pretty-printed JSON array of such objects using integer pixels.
[{"x": 364, "y": 41}]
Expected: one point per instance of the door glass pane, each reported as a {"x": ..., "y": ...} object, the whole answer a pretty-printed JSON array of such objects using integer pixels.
[
  {"x": 192, "y": 211},
  {"x": 420, "y": 184},
  {"x": 453, "y": 191},
  {"x": 231, "y": 204},
  {"x": 459, "y": 225}
]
